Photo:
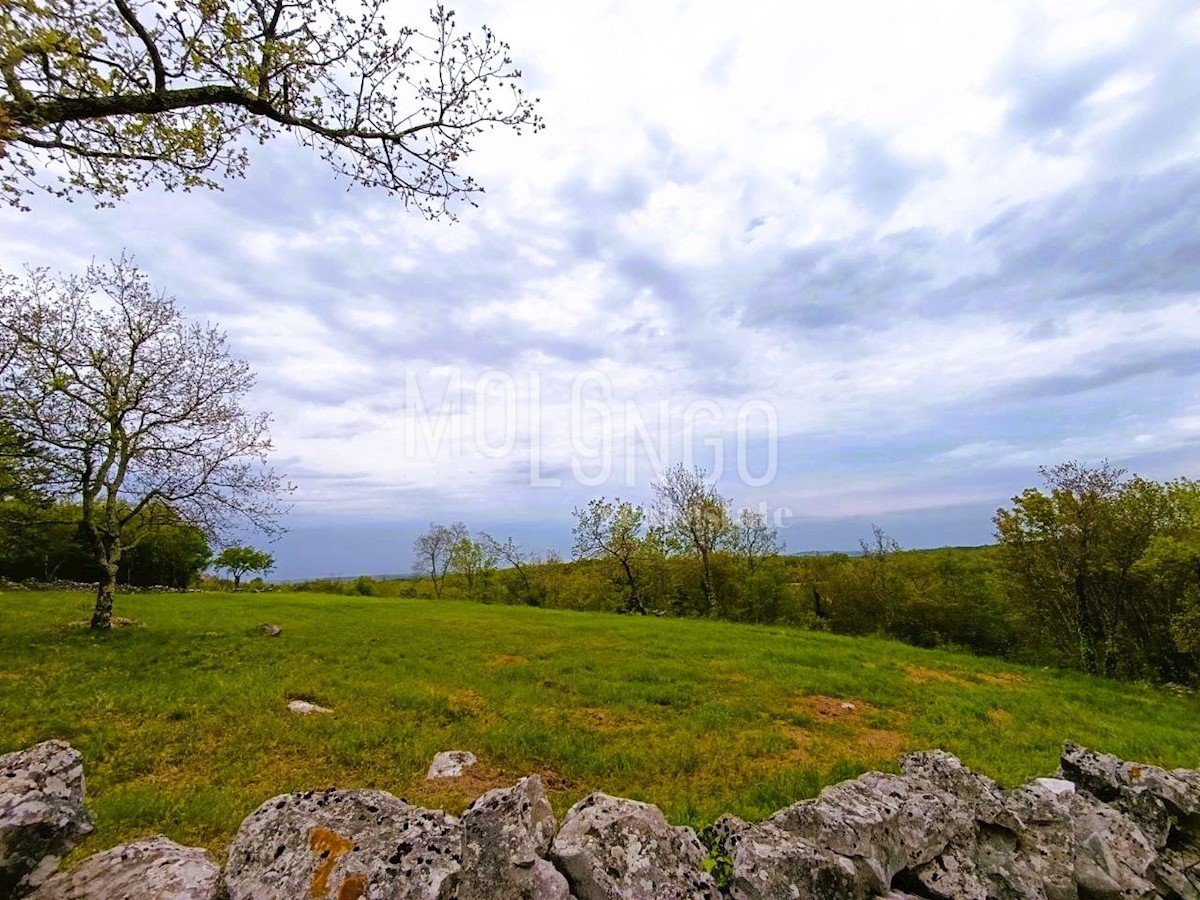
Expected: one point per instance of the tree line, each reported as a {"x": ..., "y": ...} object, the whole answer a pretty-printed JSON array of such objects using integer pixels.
[{"x": 1097, "y": 570}]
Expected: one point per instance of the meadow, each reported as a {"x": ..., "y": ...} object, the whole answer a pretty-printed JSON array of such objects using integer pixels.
[{"x": 184, "y": 730}]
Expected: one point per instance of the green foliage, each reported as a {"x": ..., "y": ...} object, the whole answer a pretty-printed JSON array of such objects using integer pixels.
[
  {"x": 363, "y": 586},
  {"x": 1101, "y": 567},
  {"x": 162, "y": 550},
  {"x": 473, "y": 561},
  {"x": 613, "y": 533},
  {"x": 239, "y": 561}
]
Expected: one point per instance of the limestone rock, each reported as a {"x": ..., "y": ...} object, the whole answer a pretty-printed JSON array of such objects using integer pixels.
[
  {"x": 616, "y": 849},
  {"x": 304, "y": 708},
  {"x": 450, "y": 764},
  {"x": 1177, "y": 872},
  {"x": 882, "y": 823},
  {"x": 152, "y": 869},
  {"x": 1112, "y": 855},
  {"x": 344, "y": 845},
  {"x": 947, "y": 773},
  {"x": 42, "y": 816},
  {"x": 1104, "y": 775},
  {"x": 506, "y": 832},
  {"x": 272, "y": 630},
  {"x": 1022, "y": 845},
  {"x": 768, "y": 863}
]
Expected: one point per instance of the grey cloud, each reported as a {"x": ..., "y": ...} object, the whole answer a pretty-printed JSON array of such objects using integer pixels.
[
  {"x": 840, "y": 283},
  {"x": 1049, "y": 98},
  {"x": 1107, "y": 368},
  {"x": 597, "y": 203},
  {"x": 1165, "y": 122},
  {"x": 877, "y": 177},
  {"x": 1121, "y": 237}
]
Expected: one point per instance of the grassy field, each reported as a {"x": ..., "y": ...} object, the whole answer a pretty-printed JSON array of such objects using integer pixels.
[{"x": 183, "y": 726}]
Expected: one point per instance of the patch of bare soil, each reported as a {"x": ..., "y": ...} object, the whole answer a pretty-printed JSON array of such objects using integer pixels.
[
  {"x": 1003, "y": 679},
  {"x": 824, "y": 708},
  {"x": 455, "y": 794},
  {"x": 839, "y": 730}
]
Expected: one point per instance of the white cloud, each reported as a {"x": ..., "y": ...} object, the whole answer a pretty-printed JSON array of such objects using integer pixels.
[{"x": 851, "y": 158}]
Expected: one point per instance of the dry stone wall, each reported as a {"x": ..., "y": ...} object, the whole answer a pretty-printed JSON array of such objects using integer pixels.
[{"x": 1100, "y": 829}]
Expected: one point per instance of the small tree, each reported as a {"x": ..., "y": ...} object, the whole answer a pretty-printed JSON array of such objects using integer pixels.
[
  {"x": 510, "y": 552},
  {"x": 239, "y": 561},
  {"x": 697, "y": 519},
  {"x": 119, "y": 93},
  {"x": 753, "y": 539},
  {"x": 431, "y": 552},
  {"x": 131, "y": 410},
  {"x": 614, "y": 531},
  {"x": 474, "y": 561}
]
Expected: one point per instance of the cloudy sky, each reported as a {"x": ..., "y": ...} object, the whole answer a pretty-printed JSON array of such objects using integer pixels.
[{"x": 865, "y": 261}]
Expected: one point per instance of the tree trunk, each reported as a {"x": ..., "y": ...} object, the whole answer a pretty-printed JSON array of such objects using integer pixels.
[
  {"x": 706, "y": 583},
  {"x": 105, "y": 588},
  {"x": 634, "y": 603},
  {"x": 237, "y": 581}
]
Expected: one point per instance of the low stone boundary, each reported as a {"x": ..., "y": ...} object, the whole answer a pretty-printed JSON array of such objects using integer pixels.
[
  {"x": 1100, "y": 828},
  {"x": 62, "y": 585}
]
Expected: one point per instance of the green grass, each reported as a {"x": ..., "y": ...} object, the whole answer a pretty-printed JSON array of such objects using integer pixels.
[{"x": 183, "y": 726}]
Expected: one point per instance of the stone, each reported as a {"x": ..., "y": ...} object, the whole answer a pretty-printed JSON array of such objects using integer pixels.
[
  {"x": 1146, "y": 811},
  {"x": 882, "y": 823},
  {"x": 947, "y": 773},
  {"x": 506, "y": 834},
  {"x": 304, "y": 708},
  {"x": 1056, "y": 786},
  {"x": 1177, "y": 872},
  {"x": 450, "y": 764},
  {"x": 1022, "y": 844},
  {"x": 42, "y": 816},
  {"x": 1112, "y": 855},
  {"x": 768, "y": 863},
  {"x": 151, "y": 869},
  {"x": 616, "y": 849},
  {"x": 1104, "y": 775},
  {"x": 344, "y": 845},
  {"x": 272, "y": 630}
]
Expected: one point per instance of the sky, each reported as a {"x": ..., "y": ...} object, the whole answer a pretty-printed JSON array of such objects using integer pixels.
[{"x": 862, "y": 262}]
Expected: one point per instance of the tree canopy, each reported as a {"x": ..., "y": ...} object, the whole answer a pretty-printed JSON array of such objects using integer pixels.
[
  {"x": 1107, "y": 563},
  {"x": 238, "y": 561},
  {"x": 134, "y": 413},
  {"x": 116, "y": 94}
]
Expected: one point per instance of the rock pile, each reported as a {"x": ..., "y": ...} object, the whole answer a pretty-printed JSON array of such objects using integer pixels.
[{"x": 1102, "y": 828}]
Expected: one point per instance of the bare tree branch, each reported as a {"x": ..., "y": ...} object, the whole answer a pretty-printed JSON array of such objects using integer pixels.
[{"x": 120, "y": 93}]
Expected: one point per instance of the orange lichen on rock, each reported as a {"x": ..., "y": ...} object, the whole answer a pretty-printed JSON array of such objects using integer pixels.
[
  {"x": 328, "y": 847},
  {"x": 353, "y": 888}
]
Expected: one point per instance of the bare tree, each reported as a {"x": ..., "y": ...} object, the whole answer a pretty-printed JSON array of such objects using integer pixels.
[
  {"x": 119, "y": 93},
  {"x": 133, "y": 412},
  {"x": 753, "y": 539},
  {"x": 432, "y": 549},
  {"x": 514, "y": 555},
  {"x": 614, "y": 530},
  {"x": 696, "y": 517}
]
